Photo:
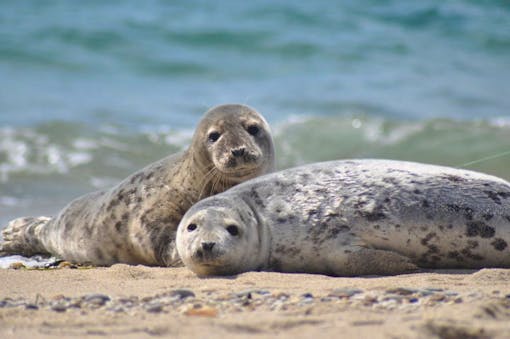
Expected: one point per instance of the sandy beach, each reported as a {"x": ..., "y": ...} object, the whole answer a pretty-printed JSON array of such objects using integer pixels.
[{"x": 138, "y": 301}]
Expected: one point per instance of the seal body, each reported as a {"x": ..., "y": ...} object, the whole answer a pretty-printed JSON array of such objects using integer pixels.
[
  {"x": 135, "y": 222},
  {"x": 349, "y": 218}
]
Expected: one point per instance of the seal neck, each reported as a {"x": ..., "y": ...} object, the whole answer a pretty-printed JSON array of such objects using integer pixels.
[{"x": 261, "y": 261}]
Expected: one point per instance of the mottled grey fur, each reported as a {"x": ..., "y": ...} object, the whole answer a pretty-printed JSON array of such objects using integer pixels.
[
  {"x": 135, "y": 222},
  {"x": 351, "y": 218}
]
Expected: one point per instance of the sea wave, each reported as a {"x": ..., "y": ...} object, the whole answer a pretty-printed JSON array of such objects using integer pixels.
[{"x": 62, "y": 160}]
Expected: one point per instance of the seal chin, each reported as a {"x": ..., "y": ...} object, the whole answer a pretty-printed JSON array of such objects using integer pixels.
[
  {"x": 210, "y": 263},
  {"x": 206, "y": 269}
]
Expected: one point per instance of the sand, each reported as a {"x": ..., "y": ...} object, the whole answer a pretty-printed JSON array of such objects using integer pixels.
[{"x": 137, "y": 301}]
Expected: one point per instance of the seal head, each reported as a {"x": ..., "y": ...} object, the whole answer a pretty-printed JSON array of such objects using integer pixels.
[
  {"x": 233, "y": 143},
  {"x": 218, "y": 238}
]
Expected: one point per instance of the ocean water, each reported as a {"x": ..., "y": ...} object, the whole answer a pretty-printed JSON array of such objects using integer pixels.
[{"x": 92, "y": 91}]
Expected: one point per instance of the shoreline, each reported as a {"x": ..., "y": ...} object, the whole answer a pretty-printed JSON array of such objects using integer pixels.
[{"x": 139, "y": 301}]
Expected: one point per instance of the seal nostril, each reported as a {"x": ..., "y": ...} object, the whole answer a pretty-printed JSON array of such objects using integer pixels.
[
  {"x": 238, "y": 152},
  {"x": 208, "y": 246}
]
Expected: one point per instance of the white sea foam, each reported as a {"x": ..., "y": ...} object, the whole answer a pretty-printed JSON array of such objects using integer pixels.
[
  {"x": 374, "y": 131},
  {"x": 32, "y": 262}
]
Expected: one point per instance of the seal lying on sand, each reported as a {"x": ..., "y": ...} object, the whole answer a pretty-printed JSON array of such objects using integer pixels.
[
  {"x": 348, "y": 218},
  {"x": 135, "y": 222}
]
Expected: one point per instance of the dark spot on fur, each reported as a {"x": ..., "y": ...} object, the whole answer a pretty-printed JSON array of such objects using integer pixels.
[
  {"x": 136, "y": 178},
  {"x": 375, "y": 215},
  {"x": 454, "y": 178},
  {"x": 468, "y": 213},
  {"x": 427, "y": 238},
  {"x": 334, "y": 231},
  {"x": 504, "y": 195},
  {"x": 113, "y": 203},
  {"x": 256, "y": 198},
  {"x": 118, "y": 226},
  {"x": 292, "y": 251},
  {"x": 417, "y": 191},
  {"x": 479, "y": 228},
  {"x": 488, "y": 216},
  {"x": 455, "y": 255},
  {"x": 425, "y": 203},
  {"x": 494, "y": 196},
  {"x": 507, "y": 217},
  {"x": 276, "y": 265},
  {"x": 499, "y": 244},
  {"x": 99, "y": 254},
  {"x": 453, "y": 207},
  {"x": 376, "y": 227},
  {"x": 467, "y": 253},
  {"x": 433, "y": 248},
  {"x": 471, "y": 245}
]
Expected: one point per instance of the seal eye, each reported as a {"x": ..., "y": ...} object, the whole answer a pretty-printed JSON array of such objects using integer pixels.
[
  {"x": 233, "y": 230},
  {"x": 253, "y": 129},
  {"x": 214, "y": 136},
  {"x": 192, "y": 227}
]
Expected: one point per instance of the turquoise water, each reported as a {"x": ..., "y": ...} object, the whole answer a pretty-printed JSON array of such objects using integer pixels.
[{"x": 91, "y": 91}]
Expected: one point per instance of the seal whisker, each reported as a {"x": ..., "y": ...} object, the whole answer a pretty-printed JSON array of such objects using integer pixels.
[{"x": 210, "y": 174}]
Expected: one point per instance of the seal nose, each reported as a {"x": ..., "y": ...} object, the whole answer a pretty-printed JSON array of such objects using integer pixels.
[
  {"x": 238, "y": 152},
  {"x": 208, "y": 246}
]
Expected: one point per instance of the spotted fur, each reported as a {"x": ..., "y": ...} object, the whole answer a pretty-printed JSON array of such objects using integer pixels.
[
  {"x": 135, "y": 222},
  {"x": 354, "y": 217}
]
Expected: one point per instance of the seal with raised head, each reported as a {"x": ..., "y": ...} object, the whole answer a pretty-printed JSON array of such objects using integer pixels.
[
  {"x": 135, "y": 222},
  {"x": 347, "y": 218}
]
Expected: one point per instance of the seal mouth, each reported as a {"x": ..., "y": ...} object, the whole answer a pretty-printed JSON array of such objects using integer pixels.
[{"x": 241, "y": 172}]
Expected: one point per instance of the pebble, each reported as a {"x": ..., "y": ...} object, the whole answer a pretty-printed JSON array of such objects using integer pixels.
[
  {"x": 183, "y": 294},
  {"x": 205, "y": 311},
  {"x": 31, "y": 307},
  {"x": 154, "y": 308},
  {"x": 59, "y": 308},
  {"x": 97, "y": 300},
  {"x": 17, "y": 266},
  {"x": 212, "y": 303},
  {"x": 344, "y": 292},
  {"x": 402, "y": 291}
]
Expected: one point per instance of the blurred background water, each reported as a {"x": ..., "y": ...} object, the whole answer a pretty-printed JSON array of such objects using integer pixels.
[{"x": 91, "y": 91}]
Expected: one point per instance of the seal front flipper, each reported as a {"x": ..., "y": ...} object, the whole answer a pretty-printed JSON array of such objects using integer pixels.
[
  {"x": 361, "y": 260},
  {"x": 23, "y": 236}
]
